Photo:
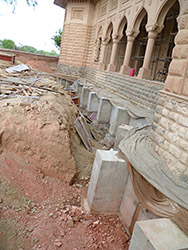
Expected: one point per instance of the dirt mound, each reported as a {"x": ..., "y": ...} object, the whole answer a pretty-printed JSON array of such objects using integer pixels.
[
  {"x": 39, "y": 131},
  {"x": 41, "y": 66}
]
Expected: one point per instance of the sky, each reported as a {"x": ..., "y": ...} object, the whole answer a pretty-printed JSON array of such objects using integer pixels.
[{"x": 31, "y": 26}]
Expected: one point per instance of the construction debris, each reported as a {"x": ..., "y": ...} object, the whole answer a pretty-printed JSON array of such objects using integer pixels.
[
  {"x": 35, "y": 108},
  {"x": 17, "y": 68}
]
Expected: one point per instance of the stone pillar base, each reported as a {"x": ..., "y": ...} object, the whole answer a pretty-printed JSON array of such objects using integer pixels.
[
  {"x": 84, "y": 97},
  {"x": 107, "y": 184},
  {"x": 158, "y": 234},
  {"x": 118, "y": 117},
  {"x": 124, "y": 70},
  {"x": 102, "y": 66},
  {"x": 111, "y": 68},
  {"x": 104, "y": 111},
  {"x": 93, "y": 102},
  {"x": 144, "y": 73}
]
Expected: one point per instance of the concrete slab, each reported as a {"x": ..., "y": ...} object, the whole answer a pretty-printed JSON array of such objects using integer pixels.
[
  {"x": 108, "y": 181},
  {"x": 158, "y": 234},
  {"x": 139, "y": 122},
  {"x": 104, "y": 111},
  {"x": 121, "y": 133},
  {"x": 93, "y": 102},
  {"x": 118, "y": 117},
  {"x": 84, "y": 97}
]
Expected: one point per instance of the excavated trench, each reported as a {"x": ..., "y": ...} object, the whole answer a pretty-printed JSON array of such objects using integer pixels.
[{"x": 40, "y": 156}]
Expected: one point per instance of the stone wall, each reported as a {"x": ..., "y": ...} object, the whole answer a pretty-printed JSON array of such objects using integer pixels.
[
  {"x": 70, "y": 70},
  {"x": 170, "y": 135},
  {"x": 177, "y": 80},
  {"x": 141, "y": 92},
  {"x": 75, "y": 49},
  {"x": 25, "y": 56}
]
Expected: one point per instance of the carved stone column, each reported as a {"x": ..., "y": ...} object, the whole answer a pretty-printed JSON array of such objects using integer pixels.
[
  {"x": 111, "y": 65},
  {"x": 144, "y": 72},
  {"x": 102, "y": 56},
  {"x": 131, "y": 35}
]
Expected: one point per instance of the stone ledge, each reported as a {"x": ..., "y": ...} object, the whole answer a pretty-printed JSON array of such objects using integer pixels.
[{"x": 170, "y": 94}]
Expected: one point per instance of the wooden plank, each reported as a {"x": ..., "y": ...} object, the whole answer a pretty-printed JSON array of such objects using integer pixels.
[{"x": 80, "y": 128}]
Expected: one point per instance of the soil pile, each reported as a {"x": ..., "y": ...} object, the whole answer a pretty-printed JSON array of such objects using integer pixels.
[
  {"x": 41, "y": 66},
  {"x": 38, "y": 128}
]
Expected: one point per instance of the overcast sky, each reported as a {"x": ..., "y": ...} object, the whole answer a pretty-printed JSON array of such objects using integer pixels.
[{"x": 29, "y": 26}]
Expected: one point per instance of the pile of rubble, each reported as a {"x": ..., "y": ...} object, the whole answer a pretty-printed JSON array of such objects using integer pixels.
[{"x": 37, "y": 122}]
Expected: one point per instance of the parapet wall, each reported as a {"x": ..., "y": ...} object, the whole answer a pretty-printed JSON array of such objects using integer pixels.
[
  {"x": 140, "y": 92},
  {"x": 25, "y": 56}
]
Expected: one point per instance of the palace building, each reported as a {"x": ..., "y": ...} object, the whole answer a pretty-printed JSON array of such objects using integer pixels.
[{"x": 137, "y": 50}]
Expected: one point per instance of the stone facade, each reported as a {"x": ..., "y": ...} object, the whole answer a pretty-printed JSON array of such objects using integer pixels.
[
  {"x": 170, "y": 135},
  {"x": 152, "y": 38},
  {"x": 92, "y": 36},
  {"x": 140, "y": 92}
]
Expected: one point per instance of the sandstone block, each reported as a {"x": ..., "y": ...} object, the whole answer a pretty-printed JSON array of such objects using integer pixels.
[
  {"x": 158, "y": 234},
  {"x": 182, "y": 37},
  {"x": 108, "y": 181},
  {"x": 175, "y": 151},
  {"x": 178, "y": 67}
]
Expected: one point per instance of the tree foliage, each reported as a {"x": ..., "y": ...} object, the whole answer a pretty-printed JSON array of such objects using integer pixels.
[
  {"x": 57, "y": 38},
  {"x": 8, "y": 44},
  {"x": 32, "y": 3}
]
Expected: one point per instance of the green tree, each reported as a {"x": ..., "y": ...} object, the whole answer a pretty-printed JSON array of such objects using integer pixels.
[
  {"x": 29, "y": 49},
  {"x": 8, "y": 44},
  {"x": 57, "y": 38},
  {"x": 32, "y": 3},
  {"x": 29, "y": 2}
]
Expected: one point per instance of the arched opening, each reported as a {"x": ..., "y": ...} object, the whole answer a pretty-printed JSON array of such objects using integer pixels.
[
  {"x": 139, "y": 47},
  {"x": 121, "y": 46},
  {"x": 164, "y": 44},
  {"x": 109, "y": 45}
]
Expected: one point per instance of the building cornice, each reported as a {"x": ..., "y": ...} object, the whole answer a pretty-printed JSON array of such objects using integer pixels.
[{"x": 63, "y": 3}]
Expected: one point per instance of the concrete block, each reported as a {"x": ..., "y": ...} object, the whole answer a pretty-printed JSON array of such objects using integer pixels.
[
  {"x": 109, "y": 140},
  {"x": 139, "y": 122},
  {"x": 75, "y": 86},
  {"x": 118, "y": 117},
  {"x": 79, "y": 89},
  {"x": 158, "y": 234},
  {"x": 128, "y": 205},
  {"x": 93, "y": 102},
  {"x": 131, "y": 210},
  {"x": 62, "y": 82},
  {"x": 67, "y": 85},
  {"x": 108, "y": 181},
  {"x": 104, "y": 111},
  {"x": 84, "y": 97},
  {"x": 121, "y": 133}
]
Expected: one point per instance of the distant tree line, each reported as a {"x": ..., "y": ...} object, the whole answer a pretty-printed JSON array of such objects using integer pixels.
[{"x": 9, "y": 44}]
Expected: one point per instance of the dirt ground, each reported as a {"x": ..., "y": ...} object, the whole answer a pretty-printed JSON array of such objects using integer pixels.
[
  {"x": 42, "y": 212},
  {"x": 39, "y": 212}
]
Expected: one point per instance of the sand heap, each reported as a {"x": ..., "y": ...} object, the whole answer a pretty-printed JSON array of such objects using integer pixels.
[{"x": 38, "y": 127}]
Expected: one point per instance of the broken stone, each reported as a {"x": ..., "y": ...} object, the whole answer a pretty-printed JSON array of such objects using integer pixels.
[{"x": 58, "y": 244}]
